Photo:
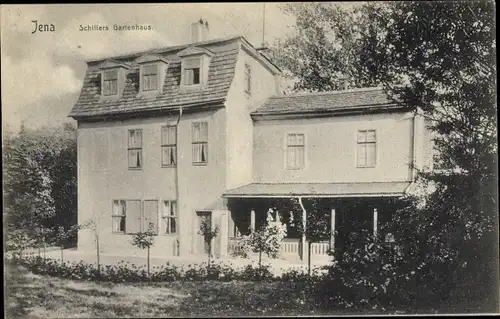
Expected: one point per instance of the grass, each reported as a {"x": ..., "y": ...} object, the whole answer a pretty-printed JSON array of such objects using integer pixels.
[{"x": 33, "y": 296}]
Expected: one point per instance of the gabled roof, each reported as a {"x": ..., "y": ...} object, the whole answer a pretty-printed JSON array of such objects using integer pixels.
[
  {"x": 194, "y": 51},
  {"x": 111, "y": 64},
  {"x": 150, "y": 57},
  {"x": 340, "y": 102},
  {"x": 337, "y": 190}
]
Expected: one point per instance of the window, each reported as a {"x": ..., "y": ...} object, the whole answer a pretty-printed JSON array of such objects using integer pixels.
[
  {"x": 248, "y": 79},
  {"x": 168, "y": 145},
  {"x": 295, "y": 151},
  {"x": 169, "y": 216},
  {"x": 118, "y": 216},
  {"x": 192, "y": 71},
  {"x": 150, "y": 77},
  {"x": 110, "y": 82},
  {"x": 367, "y": 148},
  {"x": 200, "y": 142},
  {"x": 129, "y": 218},
  {"x": 135, "y": 148}
]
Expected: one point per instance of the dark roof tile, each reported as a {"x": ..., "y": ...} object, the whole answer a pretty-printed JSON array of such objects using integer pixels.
[
  {"x": 220, "y": 76},
  {"x": 324, "y": 101}
]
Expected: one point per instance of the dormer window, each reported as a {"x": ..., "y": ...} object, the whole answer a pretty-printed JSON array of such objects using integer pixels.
[
  {"x": 113, "y": 76},
  {"x": 110, "y": 82},
  {"x": 150, "y": 77},
  {"x": 153, "y": 68},
  {"x": 194, "y": 71},
  {"x": 192, "y": 68}
]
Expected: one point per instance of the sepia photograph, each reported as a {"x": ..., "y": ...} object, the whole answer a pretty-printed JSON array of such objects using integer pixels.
[{"x": 250, "y": 159}]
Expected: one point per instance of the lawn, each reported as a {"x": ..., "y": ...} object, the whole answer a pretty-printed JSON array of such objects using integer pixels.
[{"x": 34, "y": 296}]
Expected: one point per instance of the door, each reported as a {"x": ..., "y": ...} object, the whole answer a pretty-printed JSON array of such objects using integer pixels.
[{"x": 202, "y": 246}]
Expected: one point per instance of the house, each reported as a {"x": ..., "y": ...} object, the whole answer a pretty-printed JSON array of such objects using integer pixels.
[{"x": 179, "y": 135}]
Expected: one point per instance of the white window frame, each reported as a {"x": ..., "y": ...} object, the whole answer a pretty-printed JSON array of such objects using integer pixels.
[
  {"x": 167, "y": 216},
  {"x": 140, "y": 149},
  {"x": 116, "y": 79},
  {"x": 164, "y": 144},
  {"x": 285, "y": 150},
  {"x": 115, "y": 215},
  {"x": 200, "y": 71},
  {"x": 199, "y": 142},
  {"x": 142, "y": 75},
  {"x": 358, "y": 165}
]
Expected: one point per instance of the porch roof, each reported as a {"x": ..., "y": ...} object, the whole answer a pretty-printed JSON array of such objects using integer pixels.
[{"x": 333, "y": 190}]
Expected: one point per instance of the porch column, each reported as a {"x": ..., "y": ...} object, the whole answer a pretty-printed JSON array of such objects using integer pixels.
[
  {"x": 332, "y": 230},
  {"x": 303, "y": 239},
  {"x": 252, "y": 220},
  {"x": 375, "y": 221}
]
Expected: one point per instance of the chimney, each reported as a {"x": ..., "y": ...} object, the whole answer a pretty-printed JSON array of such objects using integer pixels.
[{"x": 199, "y": 31}]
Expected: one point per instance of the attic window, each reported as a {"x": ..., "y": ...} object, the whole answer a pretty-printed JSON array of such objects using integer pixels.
[
  {"x": 110, "y": 83},
  {"x": 192, "y": 69},
  {"x": 150, "y": 77}
]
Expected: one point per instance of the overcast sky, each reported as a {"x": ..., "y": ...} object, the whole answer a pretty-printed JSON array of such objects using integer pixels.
[{"x": 42, "y": 73}]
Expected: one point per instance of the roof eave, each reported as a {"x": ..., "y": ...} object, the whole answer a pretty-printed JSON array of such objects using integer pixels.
[
  {"x": 396, "y": 194},
  {"x": 187, "y": 107},
  {"x": 365, "y": 109}
]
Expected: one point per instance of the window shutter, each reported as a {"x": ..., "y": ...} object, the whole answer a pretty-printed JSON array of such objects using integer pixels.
[
  {"x": 133, "y": 219},
  {"x": 151, "y": 215}
]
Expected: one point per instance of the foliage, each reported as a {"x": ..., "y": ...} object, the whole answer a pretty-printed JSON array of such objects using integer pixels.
[
  {"x": 208, "y": 234},
  {"x": 17, "y": 241},
  {"x": 145, "y": 240},
  {"x": 40, "y": 179},
  {"x": 266, "y": 239},
  {"x": 439, "y": 58},
  {"x": 325, "y": 51}
]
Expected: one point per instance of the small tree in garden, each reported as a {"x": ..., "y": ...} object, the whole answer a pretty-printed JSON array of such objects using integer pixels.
[
  {"x": 92, "y": 226},
  {"x": 208, "y": 234},
  {"x": 267, "y": 239},
  {"x": 63, "y": 235},
  {"x": 144, "y": 240},
  {"x": 41, "y": 235}
]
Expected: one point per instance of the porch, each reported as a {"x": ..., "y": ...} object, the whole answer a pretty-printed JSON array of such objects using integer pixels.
[{"x": 353, "y": 213}]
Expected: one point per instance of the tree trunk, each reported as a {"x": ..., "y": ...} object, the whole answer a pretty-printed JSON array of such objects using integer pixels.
[
  {"x": 44, "y": 250},
  {"x": 309, "y": 244},
  {"x": 62, "y": 259},
  {"x": 39, "y": 251},
  {"x": 209, "y": 252},
  {"x": 260, "y": 259},
  {"x": 148, "y": 262},
  {"x": 98, "y": 261}
]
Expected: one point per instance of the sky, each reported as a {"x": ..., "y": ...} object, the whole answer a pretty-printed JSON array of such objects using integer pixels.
[{"x": 42, "y": 72}]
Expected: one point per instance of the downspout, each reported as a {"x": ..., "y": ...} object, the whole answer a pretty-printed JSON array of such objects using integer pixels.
[
  {"x": 304, "y": 221},
  {"x": 176, "y": 177},
  {"x": 414, "y": 148}
]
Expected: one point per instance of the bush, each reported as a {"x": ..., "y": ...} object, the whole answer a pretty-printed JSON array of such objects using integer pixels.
[{"x": 126, "y": 272}]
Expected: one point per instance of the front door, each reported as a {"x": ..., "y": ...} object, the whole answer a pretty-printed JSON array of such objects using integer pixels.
[{"x": 202, "y": 246}]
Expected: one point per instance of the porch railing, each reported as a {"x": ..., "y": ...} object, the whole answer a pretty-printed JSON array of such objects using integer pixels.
[{"x": 291, "y": 248}]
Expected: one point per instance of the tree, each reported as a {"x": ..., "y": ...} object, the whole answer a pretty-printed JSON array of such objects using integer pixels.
[
  {"x": 93, "y": 227},
  {"x": 145, "y": 240},
  {"x": 267, "y": 239},
  {"x": 325, "y": 52},
  {"x": 438, "y": 58},
  {"x": 40, "y": 179},
  {"x": 63, "y": 235},
  {"x": 208, "y": 234}
]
